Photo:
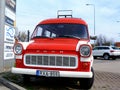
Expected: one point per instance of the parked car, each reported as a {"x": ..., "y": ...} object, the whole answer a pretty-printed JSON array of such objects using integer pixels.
[
  {"x": 106, "y": 52},
  {"x": 59, "y": 47}
]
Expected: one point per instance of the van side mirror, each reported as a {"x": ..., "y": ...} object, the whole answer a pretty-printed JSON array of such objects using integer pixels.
[{"x": 93, "y": 37}]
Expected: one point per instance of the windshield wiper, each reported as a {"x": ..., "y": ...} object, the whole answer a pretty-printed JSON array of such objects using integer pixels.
[{"x": 69, "y": 36}]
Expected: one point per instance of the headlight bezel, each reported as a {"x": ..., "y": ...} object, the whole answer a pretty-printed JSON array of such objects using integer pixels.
[
  {"x": 85, "y": 50},
  {"x": 18, "y": 49}
]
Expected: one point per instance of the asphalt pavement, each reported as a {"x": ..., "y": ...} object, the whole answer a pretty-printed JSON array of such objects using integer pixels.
[{"x": 112, "y": 66}]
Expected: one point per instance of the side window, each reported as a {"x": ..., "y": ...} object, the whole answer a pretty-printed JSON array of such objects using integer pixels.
[
  {"x": 103, "y": 48},
  {"x": 106, "y": 48},
  {"x": 99, "y": 48},
  {"x": 96, "y": 48}
]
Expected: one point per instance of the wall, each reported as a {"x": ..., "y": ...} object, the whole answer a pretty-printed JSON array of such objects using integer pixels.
[
  {"x": 117, "y": 44},
  {"x": 7, "y": 32}
]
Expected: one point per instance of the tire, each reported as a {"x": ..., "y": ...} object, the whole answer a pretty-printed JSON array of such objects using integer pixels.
[
  {"x": 95, "y": 57},
  {"x": 106, "y": 56},
  {"x": 114, "y": 58},
  {"x": 86, "y": 83}
]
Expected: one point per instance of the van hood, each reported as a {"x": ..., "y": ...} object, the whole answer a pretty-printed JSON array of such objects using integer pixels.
[{"x": 55, "y": 44}]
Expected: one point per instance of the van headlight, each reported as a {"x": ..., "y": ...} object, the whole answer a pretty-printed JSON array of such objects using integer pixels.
[
  {"x": 18, "y": 49},
  {"x": 85, "y": 51}
]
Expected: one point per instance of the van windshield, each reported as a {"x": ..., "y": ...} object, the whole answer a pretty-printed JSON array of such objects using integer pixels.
[{"x": 61, "y": 30}]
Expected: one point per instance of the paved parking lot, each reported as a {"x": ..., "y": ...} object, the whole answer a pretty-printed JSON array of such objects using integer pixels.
[
  {"x": 107, "y": 77},
  {"x": 106, "y": 81},
  {"x": 107, "y": 65}
]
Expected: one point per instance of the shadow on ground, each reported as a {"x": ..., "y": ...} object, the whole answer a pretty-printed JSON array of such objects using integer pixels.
[{"x": 38, "y": 83}]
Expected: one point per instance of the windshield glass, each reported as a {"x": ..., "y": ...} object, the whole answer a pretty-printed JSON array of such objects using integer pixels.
[{"x": 61, "y": 30}]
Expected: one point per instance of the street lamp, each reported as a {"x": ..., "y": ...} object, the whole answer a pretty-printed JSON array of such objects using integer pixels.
[
  {"x": 94, "y": 14},
  {"x": 118, "y": 22}
]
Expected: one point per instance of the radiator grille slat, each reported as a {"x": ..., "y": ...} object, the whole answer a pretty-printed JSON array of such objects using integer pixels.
[
  {"x": 51, "y": 60},
  {"x": 39, "y": 61},
  {"x": 59, "y": 61}
]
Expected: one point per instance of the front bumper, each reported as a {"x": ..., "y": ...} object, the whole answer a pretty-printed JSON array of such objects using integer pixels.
[{"x": 72, "y": 74}]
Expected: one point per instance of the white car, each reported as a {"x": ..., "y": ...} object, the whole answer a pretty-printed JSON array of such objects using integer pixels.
[{"x": 106, "y": 52}]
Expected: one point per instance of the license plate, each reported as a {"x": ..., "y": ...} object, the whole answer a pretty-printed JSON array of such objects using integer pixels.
[{"x": 47, "y": 73}]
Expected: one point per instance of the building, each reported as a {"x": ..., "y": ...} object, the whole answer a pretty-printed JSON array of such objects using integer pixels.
[
  {"x": 117, "y": 44},
  {"x": 7, "y": 32}
]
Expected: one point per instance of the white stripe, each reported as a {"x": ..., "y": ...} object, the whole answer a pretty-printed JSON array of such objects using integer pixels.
[
  {"x": 18, "y": 56},
  {"x": 80, "y": 43},
  {"x": 25, "y": 44}
]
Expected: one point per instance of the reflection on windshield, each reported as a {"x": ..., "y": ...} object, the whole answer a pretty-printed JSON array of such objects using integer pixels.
[{"x": 61, "y": 30}]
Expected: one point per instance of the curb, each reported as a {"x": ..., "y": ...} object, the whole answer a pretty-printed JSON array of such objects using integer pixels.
[{"x": 10, "y": 85}]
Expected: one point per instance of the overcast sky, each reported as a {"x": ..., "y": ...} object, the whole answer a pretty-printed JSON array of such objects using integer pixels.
[{"x": 107, "y": 12}]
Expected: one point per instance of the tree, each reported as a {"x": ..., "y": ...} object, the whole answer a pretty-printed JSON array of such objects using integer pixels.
[
  {"x": 21, "y": 36},
  {"x": 102, "y": 40},
  {"x": 99, "y": 40}
]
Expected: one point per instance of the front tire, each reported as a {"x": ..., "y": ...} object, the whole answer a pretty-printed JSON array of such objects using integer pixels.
[
  {"x": 86, "y": 83},
  {"x": 106, "y": 56}
]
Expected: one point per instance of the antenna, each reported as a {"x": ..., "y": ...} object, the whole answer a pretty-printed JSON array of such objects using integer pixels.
[{"x": 64, "y": 13}]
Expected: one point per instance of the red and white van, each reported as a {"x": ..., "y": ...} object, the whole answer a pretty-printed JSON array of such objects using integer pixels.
[{"x": 59, "y": 47}]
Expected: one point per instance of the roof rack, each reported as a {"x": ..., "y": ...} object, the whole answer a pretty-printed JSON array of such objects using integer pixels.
[{"x": 64, "y": 13}]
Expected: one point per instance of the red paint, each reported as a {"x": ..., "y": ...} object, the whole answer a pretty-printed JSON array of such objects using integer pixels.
[
  {"x": 64, "y": 20},
  {"x": 54, "y": 44}
]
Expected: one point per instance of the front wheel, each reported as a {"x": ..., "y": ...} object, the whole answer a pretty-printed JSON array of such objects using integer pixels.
[
  {"x": 86, "y": 83},
  {"x": 106, "y": 56}
]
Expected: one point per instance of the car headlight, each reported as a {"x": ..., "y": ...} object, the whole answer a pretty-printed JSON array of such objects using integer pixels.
[
  {"x": 18, "y": 49},
  {"x": 85, "y": 51}
]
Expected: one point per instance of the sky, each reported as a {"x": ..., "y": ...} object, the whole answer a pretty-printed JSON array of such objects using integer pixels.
[{"x": 107, "y": 14}]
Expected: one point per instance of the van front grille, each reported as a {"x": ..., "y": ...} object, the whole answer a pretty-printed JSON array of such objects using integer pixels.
[{"x": 62, "y": 61}]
